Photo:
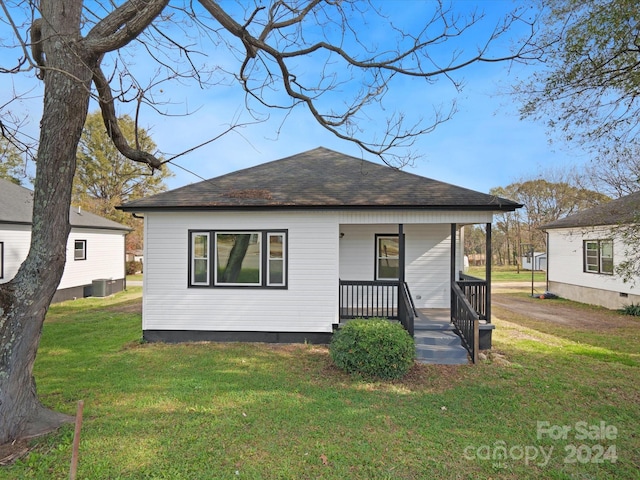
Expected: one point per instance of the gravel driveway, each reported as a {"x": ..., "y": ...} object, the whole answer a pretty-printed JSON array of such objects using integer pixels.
[{"x": 553, "y": 311}]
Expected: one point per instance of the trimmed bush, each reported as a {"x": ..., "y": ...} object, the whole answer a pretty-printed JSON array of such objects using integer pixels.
[{"x": 373, "y": 347}]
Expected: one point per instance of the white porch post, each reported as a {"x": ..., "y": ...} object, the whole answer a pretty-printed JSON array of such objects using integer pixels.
[{"x": 453, "y": 265}]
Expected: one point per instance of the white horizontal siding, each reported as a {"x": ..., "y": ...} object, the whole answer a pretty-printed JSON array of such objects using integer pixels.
[
  {"x": 104, "y": 257},
  {"x": 105, "y": 254},
  {"x": 15, "y": 239},
  {"x": 413, "y": 216},
  {"x": 309, "y": 304},
  {"x": 317, "y": 258},
  {"x": 565, "y": 260},
  {"x": 427, "y": 258}
]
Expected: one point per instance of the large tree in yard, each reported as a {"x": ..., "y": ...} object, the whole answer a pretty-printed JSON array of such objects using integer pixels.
[
  {"x": 588, "y": 92},
  {"x": 105, "y": 178},
  {"x": 318, "y": 55},
  {"x": 587, "y": 88}
]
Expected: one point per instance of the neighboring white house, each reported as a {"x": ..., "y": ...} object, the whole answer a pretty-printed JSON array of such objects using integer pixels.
[
  {"x": 276, "y": 252},
  {"x": 95, "y": 249},
  {"x": 584, "y": 249},
  {"x": 538, "y": 261}
]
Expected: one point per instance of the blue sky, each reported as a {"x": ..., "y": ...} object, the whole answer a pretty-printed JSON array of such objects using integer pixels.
[{"x": 483, "y": 146}]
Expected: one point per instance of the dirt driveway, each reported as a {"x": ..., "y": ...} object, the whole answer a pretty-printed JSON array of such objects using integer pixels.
[{"x": 554, "y": 311}]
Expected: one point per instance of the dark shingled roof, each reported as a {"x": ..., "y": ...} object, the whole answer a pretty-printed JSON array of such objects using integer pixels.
[
  {"x": 16, "y": 204},
  {"x": 620, "y": 211},
  {"x": 320, "y": 178}
]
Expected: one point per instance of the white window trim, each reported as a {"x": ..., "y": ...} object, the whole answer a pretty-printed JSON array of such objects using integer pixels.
[
  {"x": 195, "y": 234},
  {"x": 598, "y": 256},
  {"x": 283, "y": 259},
  {"x": 84, "y": 250}
]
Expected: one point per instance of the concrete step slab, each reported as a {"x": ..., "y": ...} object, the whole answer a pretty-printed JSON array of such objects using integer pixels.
[{"x": 436, "y": 337}]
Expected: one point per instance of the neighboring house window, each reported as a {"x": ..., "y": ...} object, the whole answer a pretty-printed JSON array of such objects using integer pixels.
[
  {"x": 1, "y": 259},
  {"x": 387, "y": 257},
  {"x": 241, "y": 259},
  {"x": 598, "y": 256},
  {"x": 80, "y": 250}
]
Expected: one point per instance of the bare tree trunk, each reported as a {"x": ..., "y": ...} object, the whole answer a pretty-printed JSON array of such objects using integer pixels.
[
  {"x": 236, "y": 257},
  {"x": 24, "y": 301}
]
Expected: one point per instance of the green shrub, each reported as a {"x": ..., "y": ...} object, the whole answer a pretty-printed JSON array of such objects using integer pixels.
[
  {"x": 632, "y": 309},
  {"x": 373, "y": 347},
  {"x": 134, "y": 267}
]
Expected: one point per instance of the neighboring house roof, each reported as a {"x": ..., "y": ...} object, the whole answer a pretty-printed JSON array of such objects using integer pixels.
[
  {"x": 16, "y": 204},
  {"x": 615, "y": 212},
  {"x": 321, "y": 178}
]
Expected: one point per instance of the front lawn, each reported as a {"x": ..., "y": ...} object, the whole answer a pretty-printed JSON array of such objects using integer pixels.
[
  {"x": 507, "y": 274},
  {"x": 205, "y": 411}
]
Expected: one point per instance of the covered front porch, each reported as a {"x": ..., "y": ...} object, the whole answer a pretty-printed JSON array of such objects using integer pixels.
[{"x": 460, "y": 304}]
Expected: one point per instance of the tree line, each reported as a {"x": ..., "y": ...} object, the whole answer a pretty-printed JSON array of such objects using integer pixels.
[{"x": 547, "y": 197}]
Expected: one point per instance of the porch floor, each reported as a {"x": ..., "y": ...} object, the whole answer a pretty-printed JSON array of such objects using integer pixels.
[{"x": 433, "y": 319}]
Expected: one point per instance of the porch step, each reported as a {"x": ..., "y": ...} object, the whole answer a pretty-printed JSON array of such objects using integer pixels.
[{"x": 441, "y": 347}]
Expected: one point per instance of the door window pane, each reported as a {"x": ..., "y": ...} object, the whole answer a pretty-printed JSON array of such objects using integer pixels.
[{"x": 388, "y": 254}]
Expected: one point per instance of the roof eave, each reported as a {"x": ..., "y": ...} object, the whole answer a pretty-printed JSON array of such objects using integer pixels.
[{"x": 220, "y": 208}]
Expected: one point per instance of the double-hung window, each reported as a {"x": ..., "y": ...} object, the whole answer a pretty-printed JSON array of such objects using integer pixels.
[
  {"x": 243, "y": 258},
  {"x": 598, "y": 256},
  {"x": 200, "y": 258},
  {"x": 80, "y": 250}
]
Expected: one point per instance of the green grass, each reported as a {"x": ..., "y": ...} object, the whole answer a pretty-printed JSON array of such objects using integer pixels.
[
  {"x": 196, "y": 411},
  {"x": 507, "y": 274},
  {"x": 136, "y": 277}
]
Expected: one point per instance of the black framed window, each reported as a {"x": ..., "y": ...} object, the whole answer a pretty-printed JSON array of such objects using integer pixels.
[
  {"x": 387, "y": 257},
  {"x": 80, "y": 250},
  {"x": 598, "y": 256},
  {"x": 1, "y": 259},
  {"x": 241, "y": 258}
]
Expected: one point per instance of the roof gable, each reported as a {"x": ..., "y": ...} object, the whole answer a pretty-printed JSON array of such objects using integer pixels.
[
  {"x": 321, "y": 178},
  {"x": 623, "y": 210},
  {"x": 16, "y": 205}
]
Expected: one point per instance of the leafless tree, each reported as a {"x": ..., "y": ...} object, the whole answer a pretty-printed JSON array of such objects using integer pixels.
[{"x": 307, "y": 53}]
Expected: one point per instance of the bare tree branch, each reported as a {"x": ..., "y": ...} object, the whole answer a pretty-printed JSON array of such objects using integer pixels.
[
  {"x": 111, "y": 123},
  {"x": 123, "y": 25}
]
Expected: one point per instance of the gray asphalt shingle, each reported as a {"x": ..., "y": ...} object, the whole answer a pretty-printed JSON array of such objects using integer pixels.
[
  {"x": 321, "y": 178},
  {"x": 620, "y": 211},
  {"x": 16, "y": 204}
]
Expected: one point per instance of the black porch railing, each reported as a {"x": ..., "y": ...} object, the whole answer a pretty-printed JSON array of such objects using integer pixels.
[
  {"x": 466, "y": 320},
  {"x": 475, "y": 290},
  {"x": 385, "y": 299}
]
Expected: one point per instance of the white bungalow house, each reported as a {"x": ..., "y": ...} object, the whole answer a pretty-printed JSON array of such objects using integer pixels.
[
  {"x": 584, "y": 249},
  {"x": 282, "y": 252},
  {"x": 95, "y": 249}
]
